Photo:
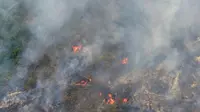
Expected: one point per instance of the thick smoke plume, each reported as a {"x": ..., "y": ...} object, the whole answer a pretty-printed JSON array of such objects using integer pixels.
[{"x": 154, "y": 36}]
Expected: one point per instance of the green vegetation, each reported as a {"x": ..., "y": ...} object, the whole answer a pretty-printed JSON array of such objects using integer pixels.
[
  {"x": 30, "y": 83},
  {"x": 14, "y": 33},
  {"x": 15, "y": 54}
]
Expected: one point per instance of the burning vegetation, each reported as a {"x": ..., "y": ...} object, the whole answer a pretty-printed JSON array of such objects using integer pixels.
[
  {"x": 109, "y": 100},
  {"x": 76, "y": 48},
  {"x": 84, "y": 82},
  {"x": 124, "y": 76},
  {"x": 149, "y": 88},
  {"x": 124, "y": 61}
]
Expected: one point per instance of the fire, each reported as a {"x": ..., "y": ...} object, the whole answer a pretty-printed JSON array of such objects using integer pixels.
[
  {"x": 124, "y": 61},
  {"x": 110, "y": 100},
  {"x": 83, "y": 83},
  {"x": 125, "y": 100},
  {"x": 110, "y": 95},
  {"x": 76, "y": 48}
]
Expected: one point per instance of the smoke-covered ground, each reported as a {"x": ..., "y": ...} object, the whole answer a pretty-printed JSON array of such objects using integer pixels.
[{"x": 159, "y": 40}]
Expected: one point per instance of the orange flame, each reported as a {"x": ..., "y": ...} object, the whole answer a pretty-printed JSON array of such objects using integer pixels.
[
  {"x": 110, "y": 100},
  {"x": 82, "y": 83},
  {"x": 110, "y": 95},
  {"x": 124, "y": 61},
  {"x": 76, "y": 48},
  {"x": 125, "y": 100}
]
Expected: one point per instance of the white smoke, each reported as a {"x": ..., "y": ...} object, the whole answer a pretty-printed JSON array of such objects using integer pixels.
[{"x": 145, "y": 26}]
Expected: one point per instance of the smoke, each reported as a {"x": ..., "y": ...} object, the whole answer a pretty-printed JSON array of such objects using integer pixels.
[
  {"x": 150, "y": 32},
  {"x": 48, "y": 19}
]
